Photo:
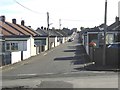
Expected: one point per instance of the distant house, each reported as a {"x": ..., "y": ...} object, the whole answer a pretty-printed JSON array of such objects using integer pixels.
[
  {"x": 54, "y": 36},
  {"x": 59, "y": 36},
  {"x": 64, "y": 36},
  {"x": 42, "y": 40}
]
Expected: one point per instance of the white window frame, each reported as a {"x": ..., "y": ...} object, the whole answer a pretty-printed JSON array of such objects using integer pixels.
[{"x": 13, "y": 46}]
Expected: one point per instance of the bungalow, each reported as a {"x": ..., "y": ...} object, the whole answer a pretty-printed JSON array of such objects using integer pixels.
[
  {"x": 64, "y": 35},
  {"x": 58, "y": 35},
  {"x": 96, "y": 35},
  {"x": 44, "y": 36},
  {"x": 54, "y": 37},
  {"x": 19, "y": 40}
]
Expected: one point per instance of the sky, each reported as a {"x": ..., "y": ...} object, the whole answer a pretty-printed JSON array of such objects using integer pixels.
[{"x": 73, "y": 13}]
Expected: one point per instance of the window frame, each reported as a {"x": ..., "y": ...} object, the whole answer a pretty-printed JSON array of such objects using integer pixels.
[{"x": 12, "y": 46}]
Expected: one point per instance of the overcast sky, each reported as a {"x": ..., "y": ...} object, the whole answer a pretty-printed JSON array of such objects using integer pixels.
[{"x": 73, "y": 13}]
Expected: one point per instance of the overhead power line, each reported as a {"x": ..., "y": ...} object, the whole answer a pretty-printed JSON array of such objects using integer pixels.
[{"x": 28, "y": 8}]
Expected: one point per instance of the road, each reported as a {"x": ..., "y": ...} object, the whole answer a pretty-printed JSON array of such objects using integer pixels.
[
  {"x": 62, "y": 59},
  {"x": 59, "y": 67}
]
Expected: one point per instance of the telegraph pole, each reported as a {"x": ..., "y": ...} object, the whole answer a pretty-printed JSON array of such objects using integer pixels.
[
  {"x": 105, "y": 29},
  {"x": 48, "y": 30}
]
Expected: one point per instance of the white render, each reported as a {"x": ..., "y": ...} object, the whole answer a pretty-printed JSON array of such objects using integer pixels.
[
  {"x": 31, "y": 50},
  {"x": 15, "y": 57},
  {"x": 26, "y": 46}
]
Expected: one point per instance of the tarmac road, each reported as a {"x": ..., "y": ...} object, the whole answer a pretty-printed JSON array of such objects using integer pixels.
[{"x": 62, "y": 59}]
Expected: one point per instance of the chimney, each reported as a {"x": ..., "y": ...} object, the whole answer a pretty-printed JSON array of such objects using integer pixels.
[
  {"x": 45, "y": 28},
  {"x": 14, "y": 21},
  {"x": 22, "y": 22},
  {"x": 29, "y": 26},
  {"x": 2, "y": 18},
  {"x": 42, "y": 27},
  {"x": 117, "y": 19}
]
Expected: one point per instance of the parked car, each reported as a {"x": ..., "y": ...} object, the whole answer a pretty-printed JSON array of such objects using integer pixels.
[{"x": 114, "y": 45}]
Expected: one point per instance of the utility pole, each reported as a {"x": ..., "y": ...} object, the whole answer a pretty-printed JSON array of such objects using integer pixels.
[
  {"x": 60, "y": 24},
  {"x": 105, "y": 29},
  {"x": 48, "y": 31}
]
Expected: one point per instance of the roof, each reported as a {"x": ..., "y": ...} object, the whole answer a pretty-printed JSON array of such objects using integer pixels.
[
  {"x": 55, "y": 33},
  {"x": 62, "y": 32},
  {"x": 8, "y": 29},
  {"x": 42, "y": 32},
  {"x": 115, "y": 25},
  {"x": 67, "y": 31},
  {"x": 51, "y": 32}
]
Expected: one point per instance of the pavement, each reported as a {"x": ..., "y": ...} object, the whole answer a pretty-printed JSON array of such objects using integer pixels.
[{"x": 101, "y": 68}]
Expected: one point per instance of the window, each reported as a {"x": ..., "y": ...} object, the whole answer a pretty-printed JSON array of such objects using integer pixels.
[
  {"x": 12, "y": 46},
  {"x": 117, "y": 37},
  {"x": 58, "y": 39},
  {"x": 8, "y": 46}
]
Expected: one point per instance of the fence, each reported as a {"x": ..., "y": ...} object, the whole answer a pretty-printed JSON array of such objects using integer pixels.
[
  {"x": 6, "y": 58},
  {"x": 112, "y": 56}
]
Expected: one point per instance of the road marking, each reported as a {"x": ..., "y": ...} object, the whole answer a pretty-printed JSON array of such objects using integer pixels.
[
  {"x": 26, "y": 74},
  {"x": 35, "y": 74},
  {"x": 49, "y": 73}
]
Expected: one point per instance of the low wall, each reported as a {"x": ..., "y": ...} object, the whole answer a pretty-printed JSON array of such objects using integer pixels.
[
  {"x": 26, "y": 55},
  {"x": 15, "y": 57}
]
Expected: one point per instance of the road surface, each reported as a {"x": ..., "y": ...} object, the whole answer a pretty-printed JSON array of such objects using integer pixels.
[{"x": 62, "y": 59}]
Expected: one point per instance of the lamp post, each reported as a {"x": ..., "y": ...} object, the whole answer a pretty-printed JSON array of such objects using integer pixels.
[{"x": 105, "y": 29}]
